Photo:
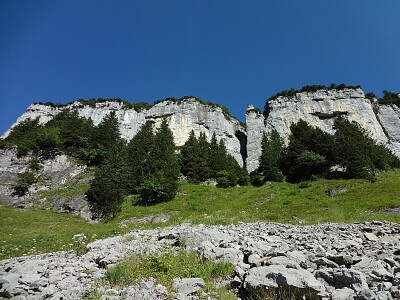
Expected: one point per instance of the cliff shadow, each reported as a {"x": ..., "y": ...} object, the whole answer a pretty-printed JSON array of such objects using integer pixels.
[{"x": 242, "y": 137}]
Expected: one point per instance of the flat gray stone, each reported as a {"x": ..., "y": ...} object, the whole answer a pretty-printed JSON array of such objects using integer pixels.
[
  {"x": 343, "y": 278},
  {"x": 371, "y": 237},
  {"x": 278, "y": 276},
  {"x": 188, "y": 286},
  {"x": 343, "y": 294}
]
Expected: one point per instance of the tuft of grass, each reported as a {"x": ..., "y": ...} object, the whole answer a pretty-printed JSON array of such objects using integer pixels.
[
  {"x": 167, "y": 266},
  {"x": 92, "y": 295},
  {"x": 283, "y": 293}
]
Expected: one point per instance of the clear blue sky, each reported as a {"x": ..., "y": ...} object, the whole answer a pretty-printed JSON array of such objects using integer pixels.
[{"x": 230, "y": 52}]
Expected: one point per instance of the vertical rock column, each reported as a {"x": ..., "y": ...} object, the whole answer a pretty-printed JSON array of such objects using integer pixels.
[{"x": 255, "y": 131}]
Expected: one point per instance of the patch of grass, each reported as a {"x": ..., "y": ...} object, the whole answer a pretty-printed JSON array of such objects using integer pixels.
[
  {"x": 167, "y": 266},
  {"x": 92, "y": 295},
  {"x": 277, "y": 202},
  {"x": 67, "y": 192},
  {"x": 288, "y": 293},
  {"x": 37, "y": 231}
]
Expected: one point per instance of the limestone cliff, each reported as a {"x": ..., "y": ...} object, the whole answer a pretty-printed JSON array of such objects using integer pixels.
[
  {"x": 182, "y": 116},
  {"x": 389, "y": 117},
  {"x": 319, "y": 109}
]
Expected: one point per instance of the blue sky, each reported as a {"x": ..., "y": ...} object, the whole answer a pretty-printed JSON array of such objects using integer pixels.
[{"x": 230, "y": 52}]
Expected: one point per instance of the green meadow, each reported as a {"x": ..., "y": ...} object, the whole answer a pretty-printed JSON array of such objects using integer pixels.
[{"x": 33, "y": 231}]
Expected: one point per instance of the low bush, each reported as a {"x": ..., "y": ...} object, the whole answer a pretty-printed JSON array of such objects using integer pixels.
[{"x": 23, "y": 182}]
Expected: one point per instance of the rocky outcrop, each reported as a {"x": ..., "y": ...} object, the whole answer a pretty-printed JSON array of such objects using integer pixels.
[
  {"x": 325, "y": 261},
  {"x": 55, "y": 171},
  {"x": 319, "y": 109},
  {"x": 182, "y": 116}
]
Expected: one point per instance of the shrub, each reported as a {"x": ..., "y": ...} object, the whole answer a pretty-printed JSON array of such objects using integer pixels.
[
  {"x": 312, "y": 88},
  {"x": 256, "y": 178},
  {"x": 157, "y": 189},
  {"x": 49, "y": 138},
  {"x": 4, "y": 144},
  {"x": 390, "y": 98},
  {"x": 306, "y": 165},
  {"x": 23, "y": 182},
  {"x": 370, "y": 96},
  {"x": 35, "y": 163},
  {"x": 226, "y": 179}
]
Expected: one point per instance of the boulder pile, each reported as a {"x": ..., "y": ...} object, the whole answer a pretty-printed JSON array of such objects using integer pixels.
[{"x": 324, "y": 261}]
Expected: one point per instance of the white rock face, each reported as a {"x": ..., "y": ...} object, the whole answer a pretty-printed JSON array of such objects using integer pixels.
[
  {"x": 319, "y": 109},
  {"x": 182, "y": 117},
  {"x": 255, "y": 130},
  {"x": 389, "y": 117}
]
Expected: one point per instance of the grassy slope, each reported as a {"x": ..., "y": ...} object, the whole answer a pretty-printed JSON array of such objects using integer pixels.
[{"x": 37, "y": 231}]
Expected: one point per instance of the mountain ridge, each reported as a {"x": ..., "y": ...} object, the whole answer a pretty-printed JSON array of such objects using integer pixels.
[{"x": 317, "y": 105}]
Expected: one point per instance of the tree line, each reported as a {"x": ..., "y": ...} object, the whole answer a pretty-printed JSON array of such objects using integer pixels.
[
  {"x": 312, "y": 153},
  {"x": 147, "y": 166},
  {"x": 150, "y": 164}
]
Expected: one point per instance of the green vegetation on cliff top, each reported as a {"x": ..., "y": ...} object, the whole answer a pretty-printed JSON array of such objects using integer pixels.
[{"x": 138, "y": 106}]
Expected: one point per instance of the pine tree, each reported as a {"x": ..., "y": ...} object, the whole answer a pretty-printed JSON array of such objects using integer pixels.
[
  {"x": 216, "y": 159},
  {"x": 359, "y": 153},
  {"x": 106, "y": 192},
  {"x": 308, "y": 146},
  {"x": 203, "y": 168},
  {"x": 140, "y": 152},
  {"x": 103, "y": 138},
  {"x": 161, "y": 182},
  {"x": 202, "y": 160},
  {"x": 272, "y": 147},
  {"x": 191, "y": 158}
]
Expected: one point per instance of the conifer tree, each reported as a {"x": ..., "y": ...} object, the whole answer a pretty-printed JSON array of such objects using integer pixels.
[
  {"x": 203, "y": 168},
  {"x": 202, "y": 160},
  {"x": 104, "y": 137},
  {"x": 272, "y": 147},
  {"x": 161, "y": 183},
  {"x": 139, "y": 156},
  {"x": 107, "y": 133},
  {"x": 191, "y": 158},
  {"x": 106, "y": 192},
  {"x": 310, "y": 152},
  {"x": 359, "y": 153},
  {"x": 216, "y": 157}
]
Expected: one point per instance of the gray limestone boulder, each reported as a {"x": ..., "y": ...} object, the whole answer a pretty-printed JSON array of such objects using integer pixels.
[
  {"x": 342, "y": 278},
  {"x": 373, "y": 269},
  {"x": 343, "y": 294},
  {"x": 278, "y": 276},
  {"x": 188, "y": 286},
  {"x": 9, "y": 285}
]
